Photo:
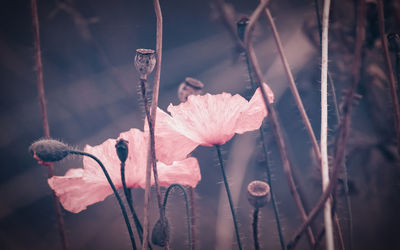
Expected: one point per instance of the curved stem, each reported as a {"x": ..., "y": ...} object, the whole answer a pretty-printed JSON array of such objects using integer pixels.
[
  {"x": 45, "y": 122},
  {"x": 255, "y": 229},
  {"x": 228, "y": 192},
  {"x": 128, "y": 225},
  {"x": 188, "y": 215},
  {"x": 193, "y": 216}
]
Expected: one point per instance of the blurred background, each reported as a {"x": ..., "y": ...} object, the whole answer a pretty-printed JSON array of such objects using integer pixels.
[{"x": 91, "y": 89}]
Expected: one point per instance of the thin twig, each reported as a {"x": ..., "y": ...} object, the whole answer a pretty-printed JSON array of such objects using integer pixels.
[
  {"x": 151, "y": 117},
  {"x": 292, "y": 85},
  {"x": 273, "y": 115},
  {"x": 330, "y": 244},
  {"x": 45, "y": 123},
  {"x": 392, "y": 81}
]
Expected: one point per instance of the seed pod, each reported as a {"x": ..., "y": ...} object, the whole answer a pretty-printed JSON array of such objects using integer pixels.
[
  {"x": 145, "y": 60},
  {"x": 157, "y": 235},
  {"x": 122, "y": 149},
  {"x": 258, "y": 193},
  {"x": 189, "y": 87},
  {"x": 49, "y": 150}
]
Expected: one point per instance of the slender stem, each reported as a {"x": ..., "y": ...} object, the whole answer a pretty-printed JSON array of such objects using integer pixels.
[
  {"x": 330, "y": 244},
  {"x": 151, "y": 121},
  {"x": 267, "y": 167},
  {"x": 228, "y": 192},
  {"x": 292, "y": 85},
  {"x": 255, "y": 229},
  {"x": 153, "y": 158},
  {"x": 392, "y": 81},
  {"x": 124, "y": 213},
  {"x": 274, "y": 117},
  {"x": 45, "y": 123},
  {"x": 128, "y": 196},
  {"x": 193, "y": 216},
  {"x": 188, "y": 214}
]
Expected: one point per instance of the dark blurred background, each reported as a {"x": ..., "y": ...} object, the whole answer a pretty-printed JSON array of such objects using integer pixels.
[{"x": 91, "y": 89}]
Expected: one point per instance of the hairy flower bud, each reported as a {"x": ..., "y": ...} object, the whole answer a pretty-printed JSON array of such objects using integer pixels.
[
  {"x": 258, "y": 193},
  {"x": 145, "y": 60},
  {"x": 49, "y": 150},
  {"x": 157, "y": 235},
  {"x": 122, "y": 149},
  {"x": 189, "y": 87}
]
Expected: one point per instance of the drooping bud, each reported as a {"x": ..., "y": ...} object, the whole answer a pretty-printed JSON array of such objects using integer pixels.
[
  {"x": 189, "y": 87},
  {"x": 49, "y": 150},
  {"x": 241, "y": 27},
  {"x": 122, "y": 149},
  {"x": 145, "y": 60},
  {"x": 258, "y": 193},
  {"x": 157, "y": 235}
]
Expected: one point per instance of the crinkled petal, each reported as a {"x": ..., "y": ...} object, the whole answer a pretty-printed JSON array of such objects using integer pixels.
[
  {"x": 209, "y": 119},
  {"x": 171, "y": 145},
  {"x": 186, "y": 172},
  {"x": 253, "y": 116},
  {"x": 76, "y": 191}
]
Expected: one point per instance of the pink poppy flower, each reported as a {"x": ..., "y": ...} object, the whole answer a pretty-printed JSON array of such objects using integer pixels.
[
  {"x": 207, "y": 120},
  {"x": 82, "y": 187}
]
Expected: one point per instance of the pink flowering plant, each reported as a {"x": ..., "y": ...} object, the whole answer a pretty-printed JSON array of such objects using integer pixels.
[{"x": 161, "y": 155}]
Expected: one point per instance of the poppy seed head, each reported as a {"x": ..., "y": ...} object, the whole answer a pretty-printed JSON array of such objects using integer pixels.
[
  {"x": 190, "y": 86},
  {"x": 49, "y": 150},
  {"x": 258, "y": 193},
  {"x": 145, "y": 61}
]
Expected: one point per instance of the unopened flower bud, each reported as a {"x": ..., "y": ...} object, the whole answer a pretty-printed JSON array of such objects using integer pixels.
[
  {"x": 157, "y": 235},
  {"x": 145, "y": 60},
  {"x": 49, "y": 150},
  {"x": 258, "y": 193},
  {"x": 189, "y": 87},
  {"x": 241, "y": 27},
  {"x": 122, "y": 149}
]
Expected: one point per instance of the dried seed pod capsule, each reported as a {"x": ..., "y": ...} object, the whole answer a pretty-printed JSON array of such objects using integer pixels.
[
  {"x": 157, "y": 235},
  {"x": 258, "y": 193},
  {"x": 49, "y": 150},
  {"x": 145, "y": 60},
  {"x": 122, "y": 149},
  {"x": 189, "y": 87}
]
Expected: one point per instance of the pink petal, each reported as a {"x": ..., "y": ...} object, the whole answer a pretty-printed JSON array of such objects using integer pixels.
[
  {"x": 171, "y": 145},
  {"x": 186, "y": 172},
  {"x": 253, "y": 116},
  {"x": 209, "y": 119},
  {"x": 77, "y": 191}
]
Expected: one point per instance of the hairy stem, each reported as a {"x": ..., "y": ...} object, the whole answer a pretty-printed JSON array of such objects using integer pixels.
[
  {"x": 193, "y": 216},
  {"x": 188, "y": 213},
  {"x": 45, "y": 123},
  {"x": 228, "y": 192},
  {"x": 292, "y": 85},
  {"x": 151, "y": 121},
  {"x": 324, "y": 126},
  {"x": 124, "y": 213},
  {"x": 275, "y": 125},
  {"x": 255, "y": 228}
]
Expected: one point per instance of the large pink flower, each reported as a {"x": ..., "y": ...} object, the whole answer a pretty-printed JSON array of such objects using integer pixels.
[
  {"x": 207, "y": 120},
  {"x": 82, "y": 187}
]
